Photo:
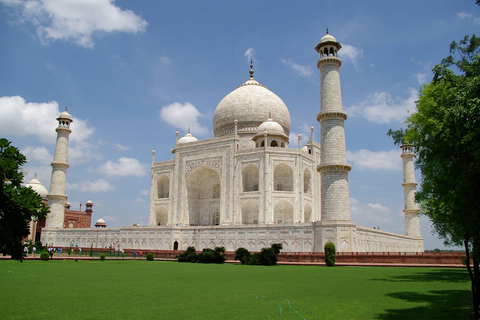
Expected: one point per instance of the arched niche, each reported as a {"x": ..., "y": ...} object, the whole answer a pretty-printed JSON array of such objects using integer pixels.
[
  {"x": 283, "y": 212},
  {"x": 307, "y": 213},
  {"x": 250, "y": 212},
  {"x": 250, "y": 178},
  {"x": 161, "y": 215},
  {"x": 203, "y": 196},
  {"x": 307, "y": 181},
  {"x": 283, "y": 178},
  {"x": 163, "y": 186}
]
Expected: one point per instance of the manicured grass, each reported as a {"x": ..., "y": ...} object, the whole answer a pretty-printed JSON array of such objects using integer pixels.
[{"x": 172, "y": 290}]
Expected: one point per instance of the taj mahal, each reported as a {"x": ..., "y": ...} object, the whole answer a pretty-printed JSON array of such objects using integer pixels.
[{"x": 246, "y": 187}]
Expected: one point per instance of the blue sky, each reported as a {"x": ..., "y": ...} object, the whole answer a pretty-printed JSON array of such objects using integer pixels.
[{"x": 132, "y": 72}]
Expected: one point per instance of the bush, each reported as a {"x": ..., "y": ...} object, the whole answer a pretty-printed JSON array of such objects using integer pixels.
[
  {"x": 102, "y": 257},
  {"x": 188, "y": 256},
  {"x": 242, "y": 255},
  {"x": 207, "y": 256},
  {"x": 330, "y": 254},
  {"x": 150, "y": 256},
  {"x": 220, "y": 255},
  {"x": 44, "y": 256},
  {"x": 277, "y": 247}
]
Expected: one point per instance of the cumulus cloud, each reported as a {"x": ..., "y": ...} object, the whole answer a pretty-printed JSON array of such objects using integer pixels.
[
  {"x": 464, "y": 15},
  {"x": 421, "y": 78},
  {"x": 249, "y": 54},
  {"x": 39, "y": 154},
  {"x": 76, "y": 20},
  {"x": 21, "y": 118},
  {"x": 139, "y": 200},
  {"x": 124, "y": 167},
  {"x": 375, "y": 160},
  {"x": 371, "y": 214},
  {"x": 350, "y": 53},
  {"x": 304, "y": 71},
  {"x": 183, "y": 116},
  {"x": 145, "y": 192},
  {"x": 122, "y": 147},
  {"x": 380, "y": 107},
  {"x": 99, "y": 185},
  {"x": 293, "y": 137}
]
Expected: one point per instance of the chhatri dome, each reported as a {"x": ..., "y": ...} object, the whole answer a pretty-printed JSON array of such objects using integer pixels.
[
  {"x": 250, "y": 103},
  {"x": 38, "y": 187},
  {"x": 187, "y": 138}
]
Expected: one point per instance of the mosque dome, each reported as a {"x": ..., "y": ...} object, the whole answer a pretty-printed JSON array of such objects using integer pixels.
[
  {"x": 65, "y": 115},
  {"x": 38, "y": 187},
  {"x": 100, "y": 223},
  {"x": 328, "y": 38},
  {"x": 250, "y": 103},
  {"x": 271, "y": 127},
  {"x": 187, "y": 138}
]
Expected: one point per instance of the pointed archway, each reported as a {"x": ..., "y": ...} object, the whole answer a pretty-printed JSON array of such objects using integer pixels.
[{"x": 203, "y": 197}]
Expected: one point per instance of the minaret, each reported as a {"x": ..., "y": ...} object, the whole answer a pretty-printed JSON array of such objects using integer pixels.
[
  {"x": 412, "y": 222},
  {"x": 333, "y": 166},
  {"x": 57, "y": 197}
]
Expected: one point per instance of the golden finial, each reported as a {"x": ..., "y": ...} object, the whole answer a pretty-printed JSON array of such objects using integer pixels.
[{"x": 251, "y": 69}]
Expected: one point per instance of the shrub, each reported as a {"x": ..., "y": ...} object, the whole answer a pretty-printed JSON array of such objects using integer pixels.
[
  {"x": 242, "y": 255},
  {"x": 188, "y": 256},
  {"x": 277, "y": 247},
  {"x": 330, "y": 253},
  {"x": 207, "y": 256},
  {"x": 220, "y": 255},
  {"x": 102, "y": 257},
  {"x": 150, "y": 256},
  {"x": 44, "y": 256}
]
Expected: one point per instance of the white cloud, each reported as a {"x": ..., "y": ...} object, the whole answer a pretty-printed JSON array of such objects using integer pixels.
[
  {"x": 139, "y": 200},
  {"x": 21, "y": 118},
  {"x": 370, "y": 160},
  {"x": 39, "y": 154},
  {"x": 350, "y": 53},
  {"x": 306, "y": 135},
  {"x": 380, "y": 107},
  {"x": 249, "y": 54},
  {"x": 183, "y": 116},
  {"x": 371, "y": 214},
  {"x": 145, "y": 192},
  {"x": 165, "y": 60},
  {"x": 122, "y": 147},
  {"x": 99, "y": 185},
  {"x": 82, "y": 152},
  {"x": 464, "y": 15},
  {"x": 304, "y": 71},
  {"x": 124, "y": 167},
  {"x": 76, "y": 20},
  {"x": 421, "y": 78}
]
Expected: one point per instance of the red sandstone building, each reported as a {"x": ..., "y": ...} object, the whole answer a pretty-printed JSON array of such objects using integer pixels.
[{"x": 73, "y": 218}]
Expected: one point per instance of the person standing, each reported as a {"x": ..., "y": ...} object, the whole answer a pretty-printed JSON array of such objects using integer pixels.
[
  {"x": 34, "y": 249},
  {"x": 140, "y": 254},
  {"x": 134, "y": 254}
]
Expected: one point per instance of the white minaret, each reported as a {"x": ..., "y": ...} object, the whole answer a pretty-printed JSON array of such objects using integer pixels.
[
  {"x": 412, "y": 222},
  {"x": 333, "y": 166},
  {"x": 57, "y": 197}
]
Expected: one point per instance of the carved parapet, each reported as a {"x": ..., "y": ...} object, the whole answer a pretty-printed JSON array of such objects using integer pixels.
[
  {"x": 334, "y": 167},
  {"x": 331, "y": 115},
  {"x": 409, "y": 184},
  {"x": 329, "y": 59},
  {"x": 60, "y": 164}
]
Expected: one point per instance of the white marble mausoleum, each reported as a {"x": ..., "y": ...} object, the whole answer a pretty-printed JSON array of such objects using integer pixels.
[{"x": 246, "y": 188}]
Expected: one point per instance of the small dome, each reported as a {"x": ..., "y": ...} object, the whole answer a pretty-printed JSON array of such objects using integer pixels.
[
  {"x": 65, "y": 115},
  {"x": 271, "y": 127},
  {"x": 305, "y": 149},
  {"x": 89, "y": 202},
  {"x": 328, "y": 38},
  {"x": 187, "y": 138},
  {"x": 38, "y": 187},
  {"x": 100, "y": 223}
]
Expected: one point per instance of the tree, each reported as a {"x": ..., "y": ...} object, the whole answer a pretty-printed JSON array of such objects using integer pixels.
[
  {"x": 445, "y": 134},
  {"x": 18, "y": 204}
]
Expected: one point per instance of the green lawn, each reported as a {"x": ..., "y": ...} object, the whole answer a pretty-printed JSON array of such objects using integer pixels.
[{"x": 171, "y": 290}]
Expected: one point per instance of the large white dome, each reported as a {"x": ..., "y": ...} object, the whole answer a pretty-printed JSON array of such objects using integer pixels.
[{"x": 251, "y": 104}]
